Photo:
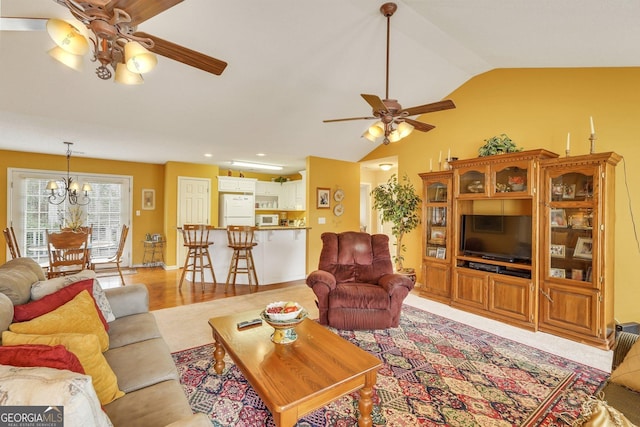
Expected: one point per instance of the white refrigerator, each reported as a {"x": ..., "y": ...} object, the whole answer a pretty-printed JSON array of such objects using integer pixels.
[{"x": 236, "y": 209}]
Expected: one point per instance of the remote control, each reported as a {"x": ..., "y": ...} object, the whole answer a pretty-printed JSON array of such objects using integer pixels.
[{"x": 247, "y": 323}]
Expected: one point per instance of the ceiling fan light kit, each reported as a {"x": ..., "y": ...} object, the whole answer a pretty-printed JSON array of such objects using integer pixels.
[
  {"x": 138, "y": 59},
  {"x": 394, "y": 123},
  {"x": 112, "y": 32},
  {"x": 66, "y": 58},
  {"x": 126, "y": 77},
  {"x": 67, "y": 37}
]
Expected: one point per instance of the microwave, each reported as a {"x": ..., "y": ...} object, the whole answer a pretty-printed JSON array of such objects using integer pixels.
[{"x": 266, "y": 220}]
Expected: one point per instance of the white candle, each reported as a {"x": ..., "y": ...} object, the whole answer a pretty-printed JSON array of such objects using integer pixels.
[
  {"x": 440, "y": 157},
  {"x": 449, "y": 155},
  {"x": 568, "y": 140},
  {"x": 430, "y": 164},
  {"x": 593, "y": 130}
]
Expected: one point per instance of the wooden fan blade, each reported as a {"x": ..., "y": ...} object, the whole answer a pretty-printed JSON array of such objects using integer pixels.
[
  {"x": 350, "y": 118},
  {"x": 422, "y": 127},
  {"x": 185, "y": 55},
  {"x": 141, "y": 10},
  {"x": 375, "y": 102},
  {"x": 429, "y": 108}
]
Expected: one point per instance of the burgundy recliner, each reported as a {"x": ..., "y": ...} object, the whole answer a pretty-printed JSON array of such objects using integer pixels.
[{"x": 355, "y": 284}]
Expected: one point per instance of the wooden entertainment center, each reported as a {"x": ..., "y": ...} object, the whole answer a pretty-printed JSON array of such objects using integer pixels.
[{"x": 525, "y": 238}]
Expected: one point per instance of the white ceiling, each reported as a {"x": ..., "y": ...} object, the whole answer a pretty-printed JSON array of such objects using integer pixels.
[{"x": 292, "y": 63}]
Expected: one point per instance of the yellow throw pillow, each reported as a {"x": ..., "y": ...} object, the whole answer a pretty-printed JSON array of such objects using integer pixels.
[
  {"x": 87, "y": 348},
  {"x": 597, "y": 413},
  {"x": 628, "y": 372},
  {"x": 77, "y": 316}
]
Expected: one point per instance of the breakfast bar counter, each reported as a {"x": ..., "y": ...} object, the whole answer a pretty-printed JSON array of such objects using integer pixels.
[{"x": 280, "y": 255}]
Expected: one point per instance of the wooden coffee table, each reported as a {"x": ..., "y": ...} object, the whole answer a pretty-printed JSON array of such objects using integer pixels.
[{"x": 298, "y": 378}]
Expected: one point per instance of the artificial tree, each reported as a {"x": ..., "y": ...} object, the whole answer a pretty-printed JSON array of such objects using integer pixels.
[{"x": 399, "y": 204}]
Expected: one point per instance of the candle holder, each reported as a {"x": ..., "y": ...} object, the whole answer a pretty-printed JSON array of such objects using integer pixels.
[
  {"x": 440, "y": 165},
  {"x": 592, "y": 138},
  {"x": 566, "y": 152}
]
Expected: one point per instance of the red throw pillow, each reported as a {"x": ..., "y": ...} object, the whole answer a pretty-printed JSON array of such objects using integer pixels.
[
  {"x": 32, "y": 355},
  {"x": 33, "y": 309}
]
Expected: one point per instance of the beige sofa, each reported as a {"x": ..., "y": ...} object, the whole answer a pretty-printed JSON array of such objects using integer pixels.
[{"x": 137, "y": 354}]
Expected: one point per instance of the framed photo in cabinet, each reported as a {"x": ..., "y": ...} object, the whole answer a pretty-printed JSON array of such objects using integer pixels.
[
  {"x": 584, "y": 248},
  {"x": 438, "y": 235},
  {"x": 441, "y": 194},
  {"x": 558, "y": 218},
  {"x": 577, "y": 274},
  {"x": 557, "y": 251},
  {"x": 432, "y": 251},
  {"x": 557, "y": 189},
  {"x": 569, "y": 192},
  {"x": 557, "y": 272},
  {"x": 441, "y": 253}
]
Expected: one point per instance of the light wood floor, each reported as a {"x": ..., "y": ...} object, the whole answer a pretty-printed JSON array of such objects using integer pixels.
[{"x": 164, "y": 291}]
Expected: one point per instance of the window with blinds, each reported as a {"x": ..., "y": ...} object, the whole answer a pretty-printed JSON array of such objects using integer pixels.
[{"x": 31, "y": 214}]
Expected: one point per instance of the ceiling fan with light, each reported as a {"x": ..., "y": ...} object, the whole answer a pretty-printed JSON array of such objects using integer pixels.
[
  {"x": 393, "y": 121},
  {"x": 117, "y": 45}
]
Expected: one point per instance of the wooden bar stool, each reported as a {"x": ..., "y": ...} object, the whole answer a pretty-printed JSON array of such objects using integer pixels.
[
  {"x": 241, "y": 241},
  {"x": 196, "y": 240}
]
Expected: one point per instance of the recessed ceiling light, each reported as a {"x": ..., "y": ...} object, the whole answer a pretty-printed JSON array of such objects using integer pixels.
[
  {"x": 385, "y": 166},
  {"x": 261, "y": 154},
  {"x": 208, "y": 155},
  {"x": 256, "y": 165}
]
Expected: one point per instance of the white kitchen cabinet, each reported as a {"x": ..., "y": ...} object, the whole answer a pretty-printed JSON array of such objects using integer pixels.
[
  {"x": 293, "y": 195},
  {"x": 229, "y": 184},
  {"x": 268, "y": 195},
  {"x": 268, "y": 188}
]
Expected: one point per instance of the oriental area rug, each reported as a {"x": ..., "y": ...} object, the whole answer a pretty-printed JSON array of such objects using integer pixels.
[{"x": 436, "y": 372}]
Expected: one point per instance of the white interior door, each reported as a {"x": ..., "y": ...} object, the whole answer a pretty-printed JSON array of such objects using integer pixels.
[{"x": 194, "y": 207}]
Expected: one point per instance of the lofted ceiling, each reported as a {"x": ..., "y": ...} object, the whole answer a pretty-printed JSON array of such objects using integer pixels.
[{"x": 292, "y": 63}]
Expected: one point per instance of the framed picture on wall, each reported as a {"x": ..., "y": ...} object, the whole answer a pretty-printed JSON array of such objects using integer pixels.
[
  {"x": 324, "y": 196},
  {"x": 148, "y": 199}
]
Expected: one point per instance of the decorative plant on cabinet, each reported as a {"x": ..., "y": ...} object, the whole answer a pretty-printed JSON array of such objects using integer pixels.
[{"x": 399, "y": 204}]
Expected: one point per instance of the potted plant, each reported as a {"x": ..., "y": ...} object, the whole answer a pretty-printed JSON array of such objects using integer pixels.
[
  {"x": 498, "y": 145},
  {"x": 399, "y": 204}
]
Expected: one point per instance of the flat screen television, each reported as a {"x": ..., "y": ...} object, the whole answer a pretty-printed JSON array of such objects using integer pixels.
[{"x": 497, "y": 237}]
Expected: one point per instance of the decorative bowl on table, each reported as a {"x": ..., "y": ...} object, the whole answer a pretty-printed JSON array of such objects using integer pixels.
[
  {"x": 283, "y": 323},
  {"x": 283, "y": 310}
]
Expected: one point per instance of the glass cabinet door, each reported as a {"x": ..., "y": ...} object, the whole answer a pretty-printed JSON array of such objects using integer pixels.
[
  {"x": 436, "y": 206},
  {"x": 571, "y": 219},
  {"x": 472, "y": 182},
  {"x": 512, "y": 179},
  {"x": 437, "y": 192}
]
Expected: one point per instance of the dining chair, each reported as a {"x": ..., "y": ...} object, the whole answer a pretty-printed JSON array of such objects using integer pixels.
[
  {"x": 68, "y": 252},
  {"x": 12, "y": 243},
  {"x": 241, "y": 240},
  {"x": 117, "y": 257},
  {"x": 196, "y": 240}
]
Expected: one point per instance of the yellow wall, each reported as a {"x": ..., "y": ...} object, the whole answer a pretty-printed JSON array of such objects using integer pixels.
[
  {"x": 145, "y": 175},
  {"x": 536, "y": 108},
  {"x": 332, "y": 174}
]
